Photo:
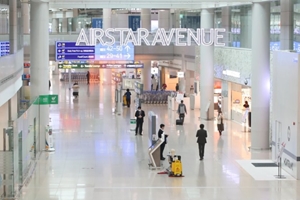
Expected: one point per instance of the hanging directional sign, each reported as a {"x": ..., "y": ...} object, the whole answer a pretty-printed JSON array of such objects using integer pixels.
[
  {"x": 69, "y": 51},
  {"x": 114, "y": 52}
]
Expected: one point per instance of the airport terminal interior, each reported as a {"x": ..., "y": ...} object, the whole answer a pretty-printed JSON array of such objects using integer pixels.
[{"x": 106, "y": 100}]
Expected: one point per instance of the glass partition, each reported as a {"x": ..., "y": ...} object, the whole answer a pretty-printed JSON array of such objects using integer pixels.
[{"x": 26, "y": 142}]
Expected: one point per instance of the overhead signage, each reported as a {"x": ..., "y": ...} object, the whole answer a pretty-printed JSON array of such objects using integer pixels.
[
  {"x": 231, "y": 73},
  {"x": 70, "y": 52},
  {"x": 176, "y": 36},
  {"x": 134, "y": 22},
  {"x": 114, "y": 52},
  {"x": 47, "y": 99},
  {"x": 97, "y": 22},
  {"x": 135, "y": 65},
  {"x": 4, "y": 48},
  {"x": 108, "y": 66}
]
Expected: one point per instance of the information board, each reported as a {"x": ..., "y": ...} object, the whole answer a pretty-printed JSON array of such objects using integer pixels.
[
  {"x": 115, "y": 52},
  {"x": 97, "y": 22},
  {"x": 4, "y": 48},
  {"x": 107, "y": 65},
  {"x": 69, "y": 51},
  {"x": 134, "y": 22}
]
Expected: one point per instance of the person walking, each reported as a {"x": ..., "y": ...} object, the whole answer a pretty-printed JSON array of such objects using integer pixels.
[
  {"x": 88, "y": 77},
  {"x": 181, "y": 111},
  {"x": 177, "y": 87},
  {"x": 128, "y": 97},
  {"x": 139, "y": 114},
  {"x": 201, "y": 135},
  {"x": 162, "y": 135},
  {"x": 220, "y": 124}
]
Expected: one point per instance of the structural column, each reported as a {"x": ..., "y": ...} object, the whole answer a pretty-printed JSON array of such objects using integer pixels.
[
  {"x": 39, "y": 42},
  {"x": 74, "y": 20},
  {"x": 226, "y": 99},
  {"x": 260, "y": 79},
  {"x": 146, "y": 19},
  {"x": 106, "y": 18},
  {"x": 164, "y": 19},
  {"x": 286, "y": 24},
  {"x": 226, "y": 23},
  {"x": 64, "y": 24},
  {"x": 246, "y": 27},
  {"x": 106, "y": 24},
  {"x": 207, "y": 69},
  {"x": 182, "y": 82},
  {"x": 146, "y": 75},
  {"x": 13, "y": 26},
  {"x": 54, "y": 26},
  {"x": 25, "y": 16}
]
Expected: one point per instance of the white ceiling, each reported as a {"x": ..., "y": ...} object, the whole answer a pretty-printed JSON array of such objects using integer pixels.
[{"x": 183, "y": 4}]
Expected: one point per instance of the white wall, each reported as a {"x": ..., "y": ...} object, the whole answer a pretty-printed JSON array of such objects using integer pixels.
[{"x": 285, "y": 109}]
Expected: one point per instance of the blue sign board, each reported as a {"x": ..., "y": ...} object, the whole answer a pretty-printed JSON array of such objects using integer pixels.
[
  {"x": 115, "y": 52},
  {"x": 297, "y": 46},
  {"x": 97, "y": 22},
  {"x": 274, "y": 46},
  {"x": 69, "y": 51},
  {"x": 134, "y": 22},
  {"x": 4, "y": 48}
]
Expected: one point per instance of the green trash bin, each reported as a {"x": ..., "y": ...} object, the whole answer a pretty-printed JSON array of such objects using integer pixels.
[{"x": 132, "y": 124}]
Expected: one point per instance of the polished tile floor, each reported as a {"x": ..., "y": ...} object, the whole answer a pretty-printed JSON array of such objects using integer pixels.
[{"x": 97, "y": 157}]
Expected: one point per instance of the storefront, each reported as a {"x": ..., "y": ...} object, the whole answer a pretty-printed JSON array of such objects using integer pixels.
[{"x": 239, "y": 95}]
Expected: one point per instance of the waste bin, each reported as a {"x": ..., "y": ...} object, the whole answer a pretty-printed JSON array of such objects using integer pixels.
[
  {"x": 249, "y": 119},
  {"x": 132, "y": 124}
]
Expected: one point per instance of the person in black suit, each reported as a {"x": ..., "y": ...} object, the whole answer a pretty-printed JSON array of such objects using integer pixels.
[
  {"x": 139, "y": 114},
  {"x": 201, "y": 135},
  {"x": 164, "y": 135}
]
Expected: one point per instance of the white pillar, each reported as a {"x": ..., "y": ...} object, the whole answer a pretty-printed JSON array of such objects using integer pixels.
[
  {"x": 164, "y": 19},
  {"x": 207, "y": 69},
  {"x": 226, "y": 23},
  {"x": 107, "y": 24},
  {"x": 260, "y": 78},
  {"x": 226, "y": 99},
  {"x": 246, "y": 27},
  {"x": 3, "y": 23},
  {"x": 74, "y": 20},
  {"x": 146, "y": 19},
  {"x": 25, "y": 15},
  {"x": 64, "y": 25},
  {"x": 286, "y": 24},
  {"x": 182, "y": 81},
  {"x": 107, "y": 18},
  {"x": 39, "y": 37},
  {"x": 146, "y": 75},
  {"x": 13, "y": 26},
  {"x": 54, "y": 26}
]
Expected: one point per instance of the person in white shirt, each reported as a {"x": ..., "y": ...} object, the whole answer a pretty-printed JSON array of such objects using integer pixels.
[
  {"x": 220, "y": 124},
  {"x": 75, "y": 90}
]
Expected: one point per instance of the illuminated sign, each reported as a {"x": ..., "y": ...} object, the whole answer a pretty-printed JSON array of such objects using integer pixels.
[
  {"x": 124, "y": 36},
  {"x": 107, "y": 65},
  {"x": 232, "y": 73},
  {"x": 180, "y": 74},
  {"x": 70, "y": 52}
]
